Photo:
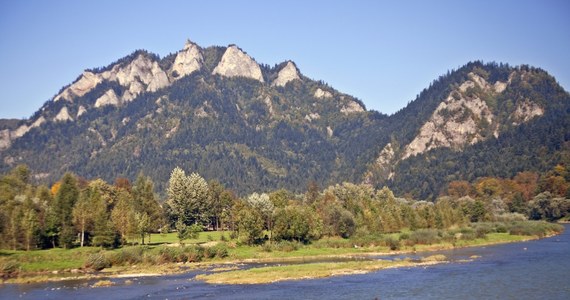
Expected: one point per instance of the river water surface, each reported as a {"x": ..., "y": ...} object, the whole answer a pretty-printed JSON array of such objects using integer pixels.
[{"x": 528, "y": 270}]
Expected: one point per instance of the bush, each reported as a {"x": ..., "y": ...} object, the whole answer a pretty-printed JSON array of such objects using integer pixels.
[
  {"x": 368, "y": 240},
  {"x": 482, "y": 229},
  {"x": 333, "y": 243},
  {"x": 9, "y": 268},
  {"x": 425, "y": 236},
  {"x": 97, "y": 261},
  {"x": 219, "y": 250},
  {"x": 180, "y": 254},
  {"x": 535, "y": 228},
  {"x": 286, "y": 246},
  {"x": 127, "y": 256},
  {"x": 391, "y": 242}
]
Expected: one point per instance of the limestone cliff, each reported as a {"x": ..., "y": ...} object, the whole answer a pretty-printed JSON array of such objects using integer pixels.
[
  {"x": 187, "y": 61},
  {"x": 235, "y": 63},
  {"x": 287, "y": 74}
]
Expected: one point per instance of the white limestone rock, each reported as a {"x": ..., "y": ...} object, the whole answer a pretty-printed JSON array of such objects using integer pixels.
[
  {"x": 286, "y": 75},
  {"x": 455, "y": 122},
  {"x": 109, "y": 98},
  {"x": 63, "y": 115},
  {"x": 187, "y": 61},
  {"x": 322, "y": 94},
  {"x": 526, "y": 111},
  {"x": 351, "y": 107},
  {"x": 236, "y": 63},
  {"x": 80, "y": 111},
  {"x": 79, "y": 88},
  {"x": 5, "y": 139},
  {"x": 159, "y": 78}
]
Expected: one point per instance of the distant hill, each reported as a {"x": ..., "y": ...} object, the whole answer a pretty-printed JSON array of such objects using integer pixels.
[{"x": 253, "y": 127}]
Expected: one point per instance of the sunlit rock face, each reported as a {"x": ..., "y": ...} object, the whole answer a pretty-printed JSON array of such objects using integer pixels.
[
  {"x": 236, "y": 63},
  {"x": 286, "y": 75},
  {"x": 187, "y": 61}
]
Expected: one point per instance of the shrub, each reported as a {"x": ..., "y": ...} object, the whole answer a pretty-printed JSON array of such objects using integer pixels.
[
  {"x": 9, "y": 268},
  {"x": 391, "y": 242},
  {"x": 220, "y": 251},
  {"x": 127, "y": 256},
  {"x": 538, "y": 228},
  {"x": 333, "y": 243},
  {"x": 286, "y": 246},
  {"x": 368, "y": 240},
  {"x": 180, "y": 254},
  {"x": 425, "y": 236},
  {"x": 97, "y": 261}
]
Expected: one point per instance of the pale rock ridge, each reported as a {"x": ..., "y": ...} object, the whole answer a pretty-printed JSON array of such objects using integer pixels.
[
  {"x": 351, "y": 107},
  {"x": 5, "y": 139},
  {"x": 81, "y": 87},
  {"x": 386, "y": 156},
  {"x": 383, "y": 164},
  {"x": 456, "y": 121},
  {"x": 63, "y": 115},
  {"x": 526, "y": 111},
  {"x": 159, "y": 78},
  {"x": 80, "y": 111},
  {"x": 321, "y": 94},
  {"x": 269, "y": 105},
  {"x": 109, "y": 98},
  {"x": 312, "y": 116},
  {"x": 287, "y": 74},
  {"x": 187, "y": 61},
  {"x": 330, "y": 131},
  {"x": 142, "y": 74},
  {"x": 23, "y": 129},
  {"x": 235, "y": 63}
]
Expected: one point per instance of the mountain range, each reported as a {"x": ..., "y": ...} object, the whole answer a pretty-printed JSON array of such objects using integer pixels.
[{"x": 253, "y": 127}]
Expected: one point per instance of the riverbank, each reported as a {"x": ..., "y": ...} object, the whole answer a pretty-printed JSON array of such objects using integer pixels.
[
  {"x": 224, "y": 257},
  {"x": 312, "y": 270}
]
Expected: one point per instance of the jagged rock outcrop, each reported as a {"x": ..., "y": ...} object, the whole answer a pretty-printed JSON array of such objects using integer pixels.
[
  {"x": 525, "y": 111},
  {"x": 142, "y": 74},
  {"x": 351, "y": 107},
  {"x": 235, "y": 62},
  {"x": 322, "y": 94},
  {"x": 187, "y": 61},
  {"x": 287, "y": 74},
  {"x": 459, "y": 120},
  {"x": 5, "y": 140},
  {"x": 86, "y": 83},
  {"x": 63, "y": 115},
  {"x": 80, "y": 111},
  {"x": 109, "y": 98}
]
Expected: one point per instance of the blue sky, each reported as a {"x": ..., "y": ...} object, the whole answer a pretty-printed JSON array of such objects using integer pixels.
[{"x": 382, "y": 52}]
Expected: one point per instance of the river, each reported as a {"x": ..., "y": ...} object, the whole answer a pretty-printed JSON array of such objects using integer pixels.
[{"x": 528, "y": 270}]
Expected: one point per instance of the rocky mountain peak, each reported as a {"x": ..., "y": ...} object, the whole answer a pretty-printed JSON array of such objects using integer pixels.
[
  {"x": 187, "y": 61},
  {"x": 286, "y": 74},
  {"x": 235, "y": 63},
  {"x": 461, "y": 119},
  {"x": 86, "y": 82}
]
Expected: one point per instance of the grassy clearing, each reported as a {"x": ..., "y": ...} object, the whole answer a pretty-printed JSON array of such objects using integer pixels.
[
  {"x": 304, "y": 271},
  {"x": 163, "y": 257},
  {"x": 171, "y": 238}
]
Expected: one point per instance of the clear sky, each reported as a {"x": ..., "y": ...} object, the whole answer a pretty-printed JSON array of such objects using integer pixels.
[{"x": 382, "y": 52}]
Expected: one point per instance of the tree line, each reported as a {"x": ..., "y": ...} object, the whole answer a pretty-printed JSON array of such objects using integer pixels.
[{"x": 75, "y": 212}]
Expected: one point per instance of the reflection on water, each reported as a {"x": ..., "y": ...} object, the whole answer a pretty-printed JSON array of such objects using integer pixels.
[{"x": 527, "y": 270}]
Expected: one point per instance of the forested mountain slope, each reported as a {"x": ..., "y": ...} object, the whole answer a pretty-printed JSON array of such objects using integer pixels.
[{"x": 253, "y": 127}]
